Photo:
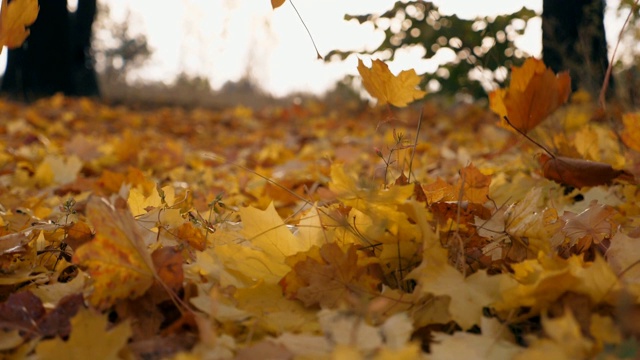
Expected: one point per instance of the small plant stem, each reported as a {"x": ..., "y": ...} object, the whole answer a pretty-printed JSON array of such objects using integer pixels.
[
  {"x": 415, "y": 144},
  {"x": 607, "y": 76}
]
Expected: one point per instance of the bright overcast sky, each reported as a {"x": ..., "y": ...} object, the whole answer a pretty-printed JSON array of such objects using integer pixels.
[{"x": 226, "y": 39}]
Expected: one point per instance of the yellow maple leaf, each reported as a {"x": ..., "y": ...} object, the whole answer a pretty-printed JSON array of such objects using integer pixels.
[
  {"x": 468, "y": 295},
  {"x": 564, "y": 340},
  {"x": 117, "y": 258},
  {"x": 397, "y": 90},
  {"x": 89, "y": 338},
  {"x": 533, "y": 94},
  {"x": 543, "y": 280},
  {"x": 258, "y": 251},
  {"x": 14, "y": 20}
]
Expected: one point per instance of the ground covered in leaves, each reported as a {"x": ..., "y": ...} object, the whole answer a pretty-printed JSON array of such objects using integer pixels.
[{"x": 313, "y": 231}]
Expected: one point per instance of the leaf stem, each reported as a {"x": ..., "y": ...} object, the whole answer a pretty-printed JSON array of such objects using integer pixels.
[
  {"x": 319, "y": 57},
  {"x": 553, "y": 156}
]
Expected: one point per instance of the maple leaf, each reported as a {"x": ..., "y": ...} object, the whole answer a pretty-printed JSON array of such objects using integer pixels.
[
  {"x": 89, "y": 337},
  {"x": 468, "y": 295},
  {"x": 631, "y": 134},
  {"x": 277, "y": 3},
  {"x": 117, "y": 258},
  {"x": 564, "y": 340},
  {"x": 14, "y": 21},
  {"x": 533, "y": 94},
  {"x": 543, "y": 280},
  {"x": 590, "y": 226},
  {"x": 580, "y": 173},
  {"x": 330, "y": 278},
  {"x": 397, "y": 90}
]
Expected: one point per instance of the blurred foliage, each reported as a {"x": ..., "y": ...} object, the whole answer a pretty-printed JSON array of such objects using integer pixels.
[
  {"x": 118, "y": 48},
  {"x": 482, "y": 49}
]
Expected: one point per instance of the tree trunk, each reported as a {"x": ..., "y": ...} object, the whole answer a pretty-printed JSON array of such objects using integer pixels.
[
  {"x": 573, "y": 39},
  {"x": 55, "y": 57}
]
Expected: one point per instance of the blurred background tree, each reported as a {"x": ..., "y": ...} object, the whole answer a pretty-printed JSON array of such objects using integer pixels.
[
  {"x": 481, "y": 50},
  {"x": 573, "y": 39}
]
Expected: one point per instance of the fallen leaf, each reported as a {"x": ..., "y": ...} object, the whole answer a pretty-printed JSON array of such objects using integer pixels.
[
  {"x": 329, "y": 277},
  {"x": 590, "y": 226},
  {"x": 580, "y": 173},
  {"x": 397, "y": 90},
  {"x": 631, "y": 134},
  {"x": 117, "y": 259},
  {"x": 89, "y": 337}
]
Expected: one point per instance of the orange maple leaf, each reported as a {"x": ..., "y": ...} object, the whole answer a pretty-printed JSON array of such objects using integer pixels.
[
  {"x": 14, "y": 20},
  {"x": 472, "y": 186},
  {"x": 397, "y": 90},
  {"x": 631, "y": 134},
  {"x": 328, "y": 276},
  {"x": 533, "y": 94},
  {"x": 117, "y": 258}
]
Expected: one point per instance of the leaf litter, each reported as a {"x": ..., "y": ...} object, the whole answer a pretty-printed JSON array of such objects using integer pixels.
[{"x": 296, "y": 232}]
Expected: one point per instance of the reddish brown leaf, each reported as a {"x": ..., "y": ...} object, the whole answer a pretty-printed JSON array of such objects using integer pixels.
[
  {"x": 579, "y": 172},
  {"x": 168, "y": 264}
]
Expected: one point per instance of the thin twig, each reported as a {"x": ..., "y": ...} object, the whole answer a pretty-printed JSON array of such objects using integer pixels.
[
  {"x": 607, "y": 76},
  {"x": 415, "y": 144}
]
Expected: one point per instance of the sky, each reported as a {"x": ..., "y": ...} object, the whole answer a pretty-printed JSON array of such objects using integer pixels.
[{"x": 225, "y": 40}]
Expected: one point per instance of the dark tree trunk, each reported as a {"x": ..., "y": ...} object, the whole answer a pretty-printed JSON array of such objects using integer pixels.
[
  {"x": 573, "y": 38},
  {"x": 55, "y": 57},
  {"x": 82, "y": 62}
]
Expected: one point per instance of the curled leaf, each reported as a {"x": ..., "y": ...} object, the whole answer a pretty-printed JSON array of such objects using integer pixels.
[{"x": 579, "y": 172}]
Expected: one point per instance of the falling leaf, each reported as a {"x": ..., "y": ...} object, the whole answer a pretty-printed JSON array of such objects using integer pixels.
[
  {"x": 14, "y": 21},
  {"x": 580, "y": 173},
  {"x": 533, "y": 94},
  {"x": 277, "y": 3},
  {"x": 397, "y": 90},
  {"x": 117, "y": 259},
  {"x": 89, "y": 338}
]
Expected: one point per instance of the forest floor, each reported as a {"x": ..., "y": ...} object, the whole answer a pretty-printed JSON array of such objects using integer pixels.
[{"x": 313, "y": 231}]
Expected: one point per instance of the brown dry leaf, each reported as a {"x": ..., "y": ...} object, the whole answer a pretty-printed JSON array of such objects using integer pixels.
[
  {"x": 590, "y": 226},
  {"x": 580, "y": 173},
  {"x": 277, "y": 3},
  {"x": 397, "y": 90},
  {"x": 14, "y": 21},
  {"x": 331, "y": 279},
  {"x": 117, "y": 258},
  {"x": 533, "y": 94},
  {"x": 168, "y": 262},
  {"x": 475, "y": 185}
]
